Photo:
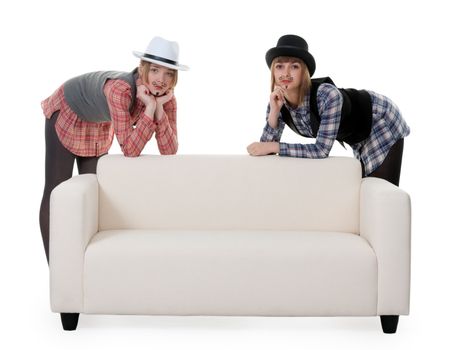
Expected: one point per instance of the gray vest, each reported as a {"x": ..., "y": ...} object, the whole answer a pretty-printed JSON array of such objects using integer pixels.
[{"x": 84, "y": 94}]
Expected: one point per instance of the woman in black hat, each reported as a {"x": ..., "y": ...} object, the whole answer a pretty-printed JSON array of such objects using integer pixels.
[{"x": 369, "y": 122}]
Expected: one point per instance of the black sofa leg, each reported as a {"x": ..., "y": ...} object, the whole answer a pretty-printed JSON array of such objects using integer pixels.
[
  {"x": 69, "y": 321},
  {"x": 389, "y": 323}
]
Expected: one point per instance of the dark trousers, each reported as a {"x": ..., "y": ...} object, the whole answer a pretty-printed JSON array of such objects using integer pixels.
[
  {"x": 390, "y": 168},
  {"x": 59, "y": 167}
]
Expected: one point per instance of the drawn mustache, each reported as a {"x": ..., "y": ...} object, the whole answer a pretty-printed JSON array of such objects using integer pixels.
[
  {"x": 158, "y": 84},
  {"x": 163, "y": 85},
  {"x": 285, "y": 78}
]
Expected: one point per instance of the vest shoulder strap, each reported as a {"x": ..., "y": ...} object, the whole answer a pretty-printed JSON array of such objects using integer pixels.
[{"x": 315, "y": 83}]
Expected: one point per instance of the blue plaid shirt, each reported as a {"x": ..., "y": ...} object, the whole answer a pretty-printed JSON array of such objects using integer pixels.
[{"x": 388, "y": 126}]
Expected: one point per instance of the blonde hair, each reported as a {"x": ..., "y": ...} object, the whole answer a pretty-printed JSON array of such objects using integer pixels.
[
  {"x": 144, "y": 69},
  {"x": 306, "y": 81}
]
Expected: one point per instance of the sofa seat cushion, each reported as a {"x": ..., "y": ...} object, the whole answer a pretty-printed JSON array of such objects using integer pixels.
[{"x": 279, "y": 273}]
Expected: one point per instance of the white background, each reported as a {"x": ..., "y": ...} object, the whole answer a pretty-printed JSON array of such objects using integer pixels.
[{"x": 398, "y": 48}]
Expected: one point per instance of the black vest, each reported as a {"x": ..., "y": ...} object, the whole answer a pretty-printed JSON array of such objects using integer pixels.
[
  {"x": 85, "y": 96},
  {"x": 356, "y": 113}
]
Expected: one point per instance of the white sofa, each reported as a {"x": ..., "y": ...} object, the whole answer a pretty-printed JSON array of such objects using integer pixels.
[{"x": 229, "y": 235}]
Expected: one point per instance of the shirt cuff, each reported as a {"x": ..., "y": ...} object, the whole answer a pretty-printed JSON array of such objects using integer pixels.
[{"x": 284, "y": 149}]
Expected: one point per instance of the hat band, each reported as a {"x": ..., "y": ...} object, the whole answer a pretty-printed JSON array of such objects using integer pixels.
[{"x": 162, "y": 59}]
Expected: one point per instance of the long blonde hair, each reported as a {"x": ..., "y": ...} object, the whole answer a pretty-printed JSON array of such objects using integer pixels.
[{"x": 306, "y": 81}]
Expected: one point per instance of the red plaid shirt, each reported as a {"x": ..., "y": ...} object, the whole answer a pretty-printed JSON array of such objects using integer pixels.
[{"x": 133, "y": 130}]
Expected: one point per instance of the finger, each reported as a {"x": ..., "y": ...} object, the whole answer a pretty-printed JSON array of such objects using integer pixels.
[
  {"x": 280, "y": 95},
  {"x": 277, "y": 94}
]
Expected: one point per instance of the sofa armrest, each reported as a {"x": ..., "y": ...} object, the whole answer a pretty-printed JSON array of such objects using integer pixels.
[
  {"x": 73, "y": 222},
  {"x": 385, "y": 222}
]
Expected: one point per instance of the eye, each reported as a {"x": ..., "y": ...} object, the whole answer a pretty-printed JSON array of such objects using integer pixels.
[
  {"x": 295, "y": 66},
  {"x": 154, "y": 70},
  {"x": 278, "y": 66},
  {"x": 170, "y": 74}
]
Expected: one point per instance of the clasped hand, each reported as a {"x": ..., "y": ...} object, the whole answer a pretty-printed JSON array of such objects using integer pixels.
[{"x": 153, "y": 104}]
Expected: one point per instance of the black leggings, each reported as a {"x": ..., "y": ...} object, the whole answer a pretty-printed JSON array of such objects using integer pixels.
[
  {"x": 59, "y": 167},
  {"x": 390, "y": 168}
]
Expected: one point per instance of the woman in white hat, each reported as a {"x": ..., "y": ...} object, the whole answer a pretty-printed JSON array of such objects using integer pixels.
[
  {"x": 84, "y": 114},
  {"x": 369, "y": 122}
]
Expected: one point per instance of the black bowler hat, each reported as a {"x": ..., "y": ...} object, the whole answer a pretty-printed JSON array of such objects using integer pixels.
[{"x": 292, "y": 46}]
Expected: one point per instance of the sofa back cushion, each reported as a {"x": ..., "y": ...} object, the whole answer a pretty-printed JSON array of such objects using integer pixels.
[{"x": 205, "y": 192}]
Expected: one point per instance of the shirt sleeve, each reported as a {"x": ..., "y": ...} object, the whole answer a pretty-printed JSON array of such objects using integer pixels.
[
  {"x": 270, "y": 134},
  {"x": 330, "y": 102},
  {"x": 166, "y": 132},
  {"x": 132, "y": 139}
]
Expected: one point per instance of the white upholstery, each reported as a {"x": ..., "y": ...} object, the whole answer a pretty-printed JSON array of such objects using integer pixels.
[
  {"x": 229, "y": 235},
  {"x": 385, "y": 223},
  {"x": 73, "y": 222},
  {"x": 228, "y": 192},
  {"x": 230, "y": 273}
]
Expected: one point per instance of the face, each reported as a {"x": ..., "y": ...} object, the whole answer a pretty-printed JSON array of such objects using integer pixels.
[
  {"x": 160, "y": 79},
  {"x": 288, "y": 74}
]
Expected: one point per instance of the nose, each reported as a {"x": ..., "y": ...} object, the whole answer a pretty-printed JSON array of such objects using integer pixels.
[
  {"x": 161, "y": 76},
  {"x": 287, "y": 70}
]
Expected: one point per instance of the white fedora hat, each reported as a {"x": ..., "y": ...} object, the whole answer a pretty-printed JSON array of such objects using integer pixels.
[{"x": 162, "y": 52}]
